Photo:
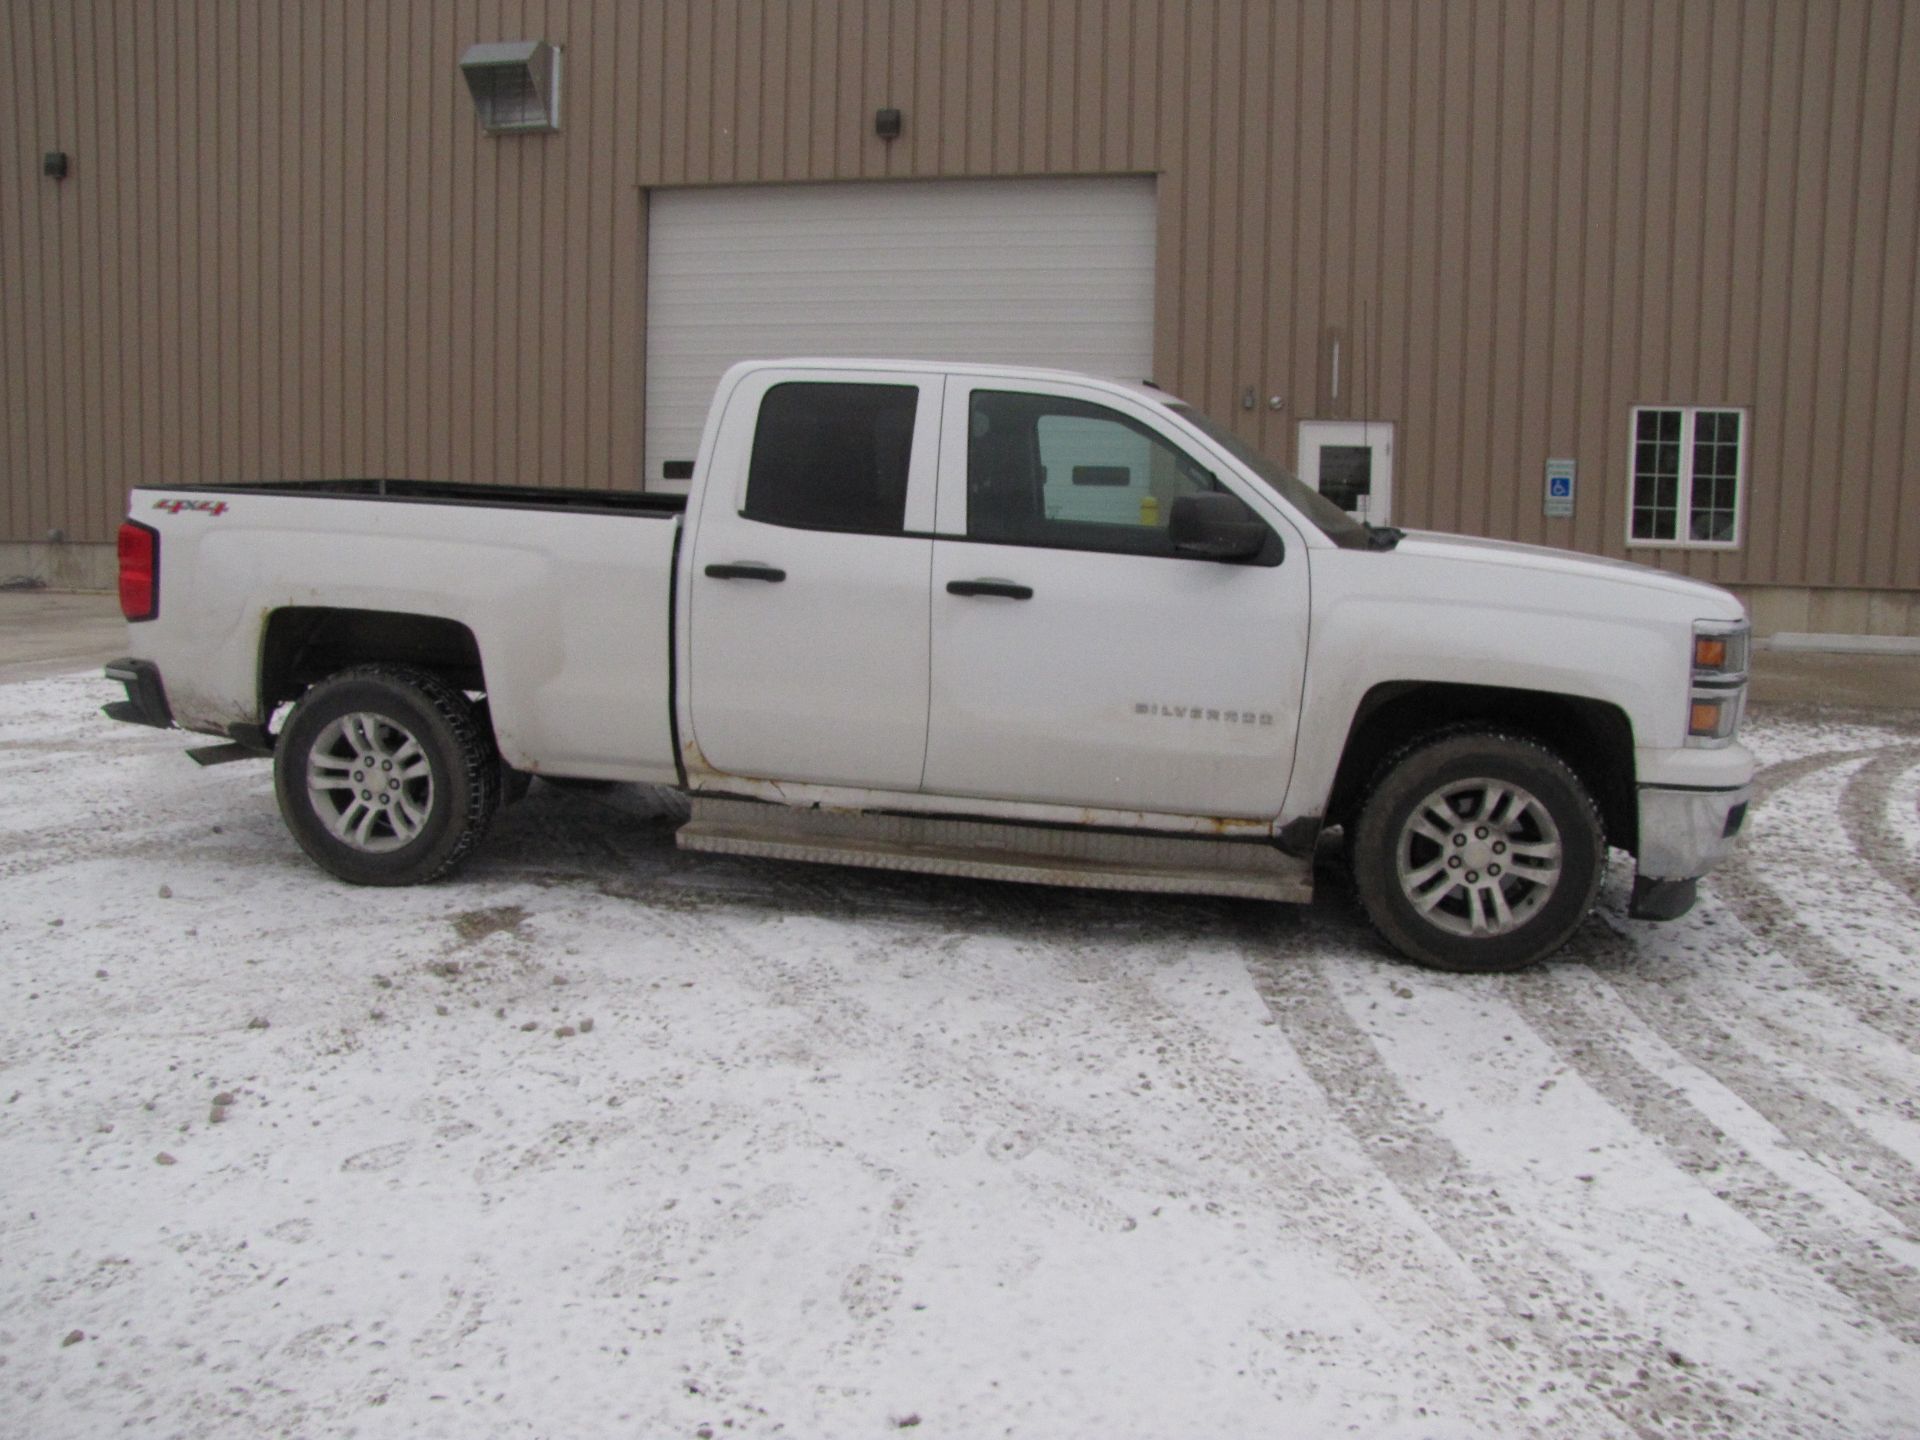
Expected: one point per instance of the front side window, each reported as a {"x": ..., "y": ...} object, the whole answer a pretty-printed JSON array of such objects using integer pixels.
[
  {"x": 1045, "y": 470},
  {"x": 1688, "y": 463},
  {"x": 830, "y": 456}
]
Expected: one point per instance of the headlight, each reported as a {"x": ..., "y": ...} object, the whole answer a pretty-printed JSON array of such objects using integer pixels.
[{"x": 1719, "y": 681}]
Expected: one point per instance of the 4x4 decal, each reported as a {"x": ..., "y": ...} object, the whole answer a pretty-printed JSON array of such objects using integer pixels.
[{"x": 209, "y": 507}]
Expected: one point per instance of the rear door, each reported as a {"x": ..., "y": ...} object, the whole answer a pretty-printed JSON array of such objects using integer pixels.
[
  {"x": 809, "y": 580},
  {"x": 1077, "y": 658}
]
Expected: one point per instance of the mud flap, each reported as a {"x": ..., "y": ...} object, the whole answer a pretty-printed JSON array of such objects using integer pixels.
[{"x": 1662, "y": 899}]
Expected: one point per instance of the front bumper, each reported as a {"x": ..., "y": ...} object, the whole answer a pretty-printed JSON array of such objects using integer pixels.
[
  {"x": 146, "y": 702},
  {"x": 1683, "y": 834}
]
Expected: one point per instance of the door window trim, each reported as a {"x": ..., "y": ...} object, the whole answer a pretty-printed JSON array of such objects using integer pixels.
[
  {"x": 779, "y": 492},
  {"x": 740, "y": 420},
  {"x": 952, "y": 517}
]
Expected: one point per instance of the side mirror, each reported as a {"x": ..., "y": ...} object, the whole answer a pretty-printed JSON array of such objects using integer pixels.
[{"x": 1216, "y": 525}]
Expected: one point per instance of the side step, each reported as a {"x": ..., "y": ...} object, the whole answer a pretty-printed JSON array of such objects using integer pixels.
[{"x": 986, "y": 850}]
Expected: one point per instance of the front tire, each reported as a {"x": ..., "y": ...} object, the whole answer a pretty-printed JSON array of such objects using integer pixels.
[
  {"x": 386, "y": 776},
  {"x": 1477, "y": 852}
]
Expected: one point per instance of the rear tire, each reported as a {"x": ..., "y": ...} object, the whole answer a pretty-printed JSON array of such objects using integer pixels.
[
  {"x": 1477, "y": 851},
  {"x": 386, "y": 776}
]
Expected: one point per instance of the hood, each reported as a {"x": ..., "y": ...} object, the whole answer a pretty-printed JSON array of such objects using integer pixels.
[{"x": 1434, "y": 544}]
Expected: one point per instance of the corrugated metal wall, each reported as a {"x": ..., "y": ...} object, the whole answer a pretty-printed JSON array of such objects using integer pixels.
[{"x": 285, "y": 249}]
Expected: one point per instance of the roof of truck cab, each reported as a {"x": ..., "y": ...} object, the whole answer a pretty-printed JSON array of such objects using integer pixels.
[{"x": 1140, "y": 389}]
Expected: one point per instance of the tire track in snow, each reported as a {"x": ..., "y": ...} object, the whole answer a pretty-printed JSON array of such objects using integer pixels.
[
  {"x": 1863, "y": 811},
  {"x": 1228, "y": 1094},
  {"x": 1008, "y": 1122},
  {"x": 843, "y": 1025},
  {"x": 1662, "y": 1002},
  {"x": 1297, "y": 1187},
  {"x": 1624, "y": 1380},
  {"x": 1629, "y": 1374},
  {"x": 182, "y": 843},
  {"x": 1669, "y": 1002},
  {"x": 1287, "y": 1173},
  {"x": 1855, "y": 1265},
  {"x": 1771, "y": 917},
  {"x": 1004, "y": 1118}
]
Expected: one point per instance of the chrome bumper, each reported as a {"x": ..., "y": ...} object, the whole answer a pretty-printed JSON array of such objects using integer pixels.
[{"x": 1685, "y": 833}]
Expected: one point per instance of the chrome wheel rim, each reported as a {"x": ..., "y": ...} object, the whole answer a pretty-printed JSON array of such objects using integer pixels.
[
  {"x": 371, "y": 783},
  {"x": 1479, "y": 857}
]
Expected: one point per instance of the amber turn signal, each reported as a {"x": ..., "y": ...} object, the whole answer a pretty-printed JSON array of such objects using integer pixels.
[
  {"x": 1709, "y": 652},
  {"x": 1704, "y": 718}
]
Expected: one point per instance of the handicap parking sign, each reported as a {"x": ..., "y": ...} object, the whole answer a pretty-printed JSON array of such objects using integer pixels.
[{"x": 1559, "y": 489}]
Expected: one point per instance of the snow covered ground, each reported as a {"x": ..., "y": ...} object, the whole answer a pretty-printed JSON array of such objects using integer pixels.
[{"x": 606, "y": 1139}]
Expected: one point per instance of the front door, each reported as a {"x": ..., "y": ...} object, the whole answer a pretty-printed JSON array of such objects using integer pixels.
[
  {"x": 1077, "y": 659},
  {"x": 1351, "y": 463},
  {"x": 808, "y": 587}
]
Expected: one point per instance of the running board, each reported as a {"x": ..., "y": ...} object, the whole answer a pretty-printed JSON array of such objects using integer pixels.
[{"x": 985, "y": 850}]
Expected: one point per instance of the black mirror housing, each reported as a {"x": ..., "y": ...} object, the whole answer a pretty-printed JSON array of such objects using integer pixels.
[{"x": 1217, "y": 526}]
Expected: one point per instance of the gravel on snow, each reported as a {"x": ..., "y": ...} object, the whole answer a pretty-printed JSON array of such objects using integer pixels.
[{"x": 603, "y": 1138}]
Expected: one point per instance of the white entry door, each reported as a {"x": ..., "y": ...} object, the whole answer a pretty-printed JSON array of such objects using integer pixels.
[{"x": 1351, "y": 463}]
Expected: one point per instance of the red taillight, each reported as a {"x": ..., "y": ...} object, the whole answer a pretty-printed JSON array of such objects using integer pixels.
[{"x": 139, "y": 571}]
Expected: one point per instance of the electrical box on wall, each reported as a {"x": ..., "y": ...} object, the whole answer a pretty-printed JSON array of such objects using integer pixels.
[{"x": 515, "y": 86}]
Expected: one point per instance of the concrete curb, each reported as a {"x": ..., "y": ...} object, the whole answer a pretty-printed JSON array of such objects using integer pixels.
[{"x": 1806, "y": 643}]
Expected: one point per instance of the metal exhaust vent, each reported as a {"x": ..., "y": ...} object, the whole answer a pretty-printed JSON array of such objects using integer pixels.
[{"x": 515, "y": 85}]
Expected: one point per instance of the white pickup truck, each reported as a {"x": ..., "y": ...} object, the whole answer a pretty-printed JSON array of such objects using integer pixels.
[{"x": 968, "y": 619}]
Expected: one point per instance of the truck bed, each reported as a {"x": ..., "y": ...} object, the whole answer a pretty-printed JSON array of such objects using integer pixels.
[{"x": 565, "y": 597}]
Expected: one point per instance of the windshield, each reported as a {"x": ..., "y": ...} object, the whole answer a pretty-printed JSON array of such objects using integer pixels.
[{"x": 1335, "y": 523}]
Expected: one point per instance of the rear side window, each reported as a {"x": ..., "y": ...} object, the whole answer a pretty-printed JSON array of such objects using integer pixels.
[{"x": 833, "y": 457}]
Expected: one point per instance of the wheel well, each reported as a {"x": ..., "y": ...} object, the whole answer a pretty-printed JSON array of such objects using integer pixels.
[
  {"x": 1593, "y": 737},
  {"x": 306, "y": 644}
]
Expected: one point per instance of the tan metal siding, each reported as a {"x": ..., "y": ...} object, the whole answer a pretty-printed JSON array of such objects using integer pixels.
[
  {"x": 1893, "y": 543},
  {"x": 24, "y": 277},
  {"x": 285, "y": 249}
]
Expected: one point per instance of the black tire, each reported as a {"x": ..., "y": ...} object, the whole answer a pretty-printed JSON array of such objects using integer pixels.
[
  {"x": 1535, "y": 864},
  {"x": 406, "y": 822}
]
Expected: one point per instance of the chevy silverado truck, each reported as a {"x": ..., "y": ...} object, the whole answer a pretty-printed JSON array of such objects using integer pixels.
[{"x": 966, "y": 619}]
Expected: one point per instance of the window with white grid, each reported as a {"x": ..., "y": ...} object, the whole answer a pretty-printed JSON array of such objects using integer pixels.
[{"x": 1688, "y": 463}]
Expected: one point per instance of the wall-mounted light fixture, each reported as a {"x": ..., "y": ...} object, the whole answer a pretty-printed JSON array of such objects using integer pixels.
[
  {"x": 515, "y": 85},
  {"x": 886, "y": 124},
  {"x": 54, "y": 165}
]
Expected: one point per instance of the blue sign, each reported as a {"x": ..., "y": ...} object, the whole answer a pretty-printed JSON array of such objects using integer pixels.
[{"x": 1559, "y": 489}]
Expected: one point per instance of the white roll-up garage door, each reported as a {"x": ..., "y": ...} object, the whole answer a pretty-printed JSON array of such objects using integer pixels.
[{"x": 1024, "y": 272}]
